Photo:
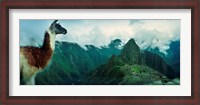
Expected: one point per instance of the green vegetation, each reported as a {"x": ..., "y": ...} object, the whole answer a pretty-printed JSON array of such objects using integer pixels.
[
  {"x": 136, "y": 69},
  {"x": 72, "y": 64}
]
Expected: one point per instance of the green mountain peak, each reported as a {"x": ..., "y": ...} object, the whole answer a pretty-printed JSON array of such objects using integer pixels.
[{"x": 131, "y": 53}]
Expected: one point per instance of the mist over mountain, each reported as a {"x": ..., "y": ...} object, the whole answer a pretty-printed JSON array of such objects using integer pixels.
[
  {"x": 99, "y": 32},
  {"x": 112, "y": 64},
  {"x": 134, "y": 67},
  {"x": 172, "y": 57}
]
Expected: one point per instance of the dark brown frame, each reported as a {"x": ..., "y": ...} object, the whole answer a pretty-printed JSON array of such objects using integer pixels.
[{"x": 5, "y": 99}]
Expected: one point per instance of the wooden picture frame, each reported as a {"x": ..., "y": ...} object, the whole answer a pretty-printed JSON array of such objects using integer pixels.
[{"x": 99, "y": 4}]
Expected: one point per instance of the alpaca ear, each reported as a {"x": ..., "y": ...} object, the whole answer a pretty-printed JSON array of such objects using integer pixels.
[{"x": 54, "y": 22}]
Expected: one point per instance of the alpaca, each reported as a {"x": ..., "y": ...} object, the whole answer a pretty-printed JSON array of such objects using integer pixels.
[{"x": 34, "y": 59}]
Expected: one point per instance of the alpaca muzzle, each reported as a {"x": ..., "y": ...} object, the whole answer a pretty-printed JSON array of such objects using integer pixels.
[{"x": 65, "y": 32}]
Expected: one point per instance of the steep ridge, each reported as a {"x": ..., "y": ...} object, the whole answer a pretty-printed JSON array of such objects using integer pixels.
[
  {"x": 70, "y": 62},
  {"x": 172, "y": 58},
  {"x": 156, "y": 62},
  {"x": 131, "y": 53},
  {"x": 132, "y": 67}
]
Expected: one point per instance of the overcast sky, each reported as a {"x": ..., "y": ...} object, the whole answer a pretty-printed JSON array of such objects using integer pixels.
[{"x": 147, "y": 33}]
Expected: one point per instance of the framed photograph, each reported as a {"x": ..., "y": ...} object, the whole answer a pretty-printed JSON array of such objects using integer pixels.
[{"x": 100, "y": 52}]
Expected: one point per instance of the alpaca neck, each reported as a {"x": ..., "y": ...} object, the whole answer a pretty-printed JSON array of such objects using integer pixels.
[{"x": 49, "y": 40}]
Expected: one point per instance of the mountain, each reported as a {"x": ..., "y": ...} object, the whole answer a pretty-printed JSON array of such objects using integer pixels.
[
  {"x": 116, "y": 72},
  {"x": 113, "y": 48},
  {"x": 156, "y": 62},
  {"x": 132, "y": 67},
  {"x": 131, "y": 53},
  {"x": 70, "y": 62},
  {"x": 63, "y": 68},
  {"x": 172, "y": 58},
  {"x": 96, "y": 56},
  {"x": 107, "y": 65},
  {"x": 101, "y": 55}
]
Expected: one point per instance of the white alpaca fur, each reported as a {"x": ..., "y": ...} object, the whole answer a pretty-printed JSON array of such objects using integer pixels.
[{"x": 52, "y": 38}]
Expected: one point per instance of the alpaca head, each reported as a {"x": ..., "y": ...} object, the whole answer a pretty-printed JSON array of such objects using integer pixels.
[{"x": 57, "y": 28}]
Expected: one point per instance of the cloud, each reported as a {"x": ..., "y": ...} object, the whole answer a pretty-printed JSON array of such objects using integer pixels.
[
  {"x": 32, "y": 32},
  {"x": 157, "y": 33},
  {"x": 147, "y": 33}
]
